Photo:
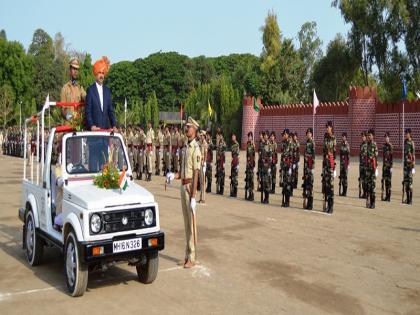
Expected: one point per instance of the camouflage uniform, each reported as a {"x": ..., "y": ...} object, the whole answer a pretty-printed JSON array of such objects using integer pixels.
[
  {"x": 344, "y": 166},
  {"x": 265, "y": 174},
  {"x": 308, "y": 174},
  {"x": 286, "y": 180},
  {"x": 234, "y": 170},
  {"x": 220, "y": 167},
  {"x": 387, "y": 159},
  {"x": 259, "y": 165},
  {"x": 296, "y": 159},
  {"x": 274, "y": 161},
  {"x": 409, "y": 163},
  {"x": 328, "y": 169},
  {"x": 209, "y": 165},
  {"x": 371, "y": 167},
  {"x": 362, "y": 170},
  {"x": 249, "y": 172}
]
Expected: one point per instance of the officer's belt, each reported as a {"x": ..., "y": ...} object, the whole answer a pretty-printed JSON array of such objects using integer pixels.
[{"x": 186, "y": 181}]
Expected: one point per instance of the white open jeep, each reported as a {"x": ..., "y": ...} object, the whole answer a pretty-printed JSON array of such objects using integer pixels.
[{"x": 94, "y": 227}]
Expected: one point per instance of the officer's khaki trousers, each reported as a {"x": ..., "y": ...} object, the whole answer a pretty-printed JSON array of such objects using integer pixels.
[{"x": 187, "y": 212}]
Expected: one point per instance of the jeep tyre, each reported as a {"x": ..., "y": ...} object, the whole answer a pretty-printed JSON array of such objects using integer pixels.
[
  {"x": 75, "y": 270},
  {"x": 33, "y": 242},
  {"x": 147, "y": 272}
]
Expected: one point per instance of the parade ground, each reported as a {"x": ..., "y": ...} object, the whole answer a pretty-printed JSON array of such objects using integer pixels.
[{"x": 254, "y": 258}]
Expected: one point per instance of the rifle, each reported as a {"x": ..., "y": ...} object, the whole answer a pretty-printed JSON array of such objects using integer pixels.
[{"x": 382, "y": 188}]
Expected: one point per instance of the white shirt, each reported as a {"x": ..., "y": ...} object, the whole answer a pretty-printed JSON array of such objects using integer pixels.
[{"x": 101, "y": 94}]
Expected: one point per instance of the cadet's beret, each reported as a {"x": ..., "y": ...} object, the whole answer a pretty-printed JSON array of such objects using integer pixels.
[
  {"x": 329, "y": 124},
  {"x": 344, "y": 134},
  {"x": 309, "y": 130},
  {"x": 286, "y": 131},
  {"x": 191, "y": 122},
  {"x": 74, "y": 63},
  {"x": 387, "y": 134}
]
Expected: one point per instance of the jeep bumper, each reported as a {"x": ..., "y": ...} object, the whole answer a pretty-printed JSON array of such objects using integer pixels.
[{"x": 150, "y": 242}]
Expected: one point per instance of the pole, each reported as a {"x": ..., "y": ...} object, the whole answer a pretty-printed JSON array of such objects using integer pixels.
[{"x": 20, "y": 116}]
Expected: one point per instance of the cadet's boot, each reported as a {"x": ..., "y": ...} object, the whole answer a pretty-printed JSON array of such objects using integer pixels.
[
  {"x": 372, "y": 202},
  {"x": 235, "y": 192},
  {"x": 330, "y": 207},
  {"x": 344, "y": 191},
  {"x": 251, "y": 196},
  {"x": 273, "y": 188},
  {"x": 222, "y": 189},
  {"x": 266, "y": 196},
  {"x": 208, "y": 189},
  {"x": 309, "y": 205},
  {"x": 287, "y": 201},
  {"x": 409, "y": 197},
  {"x": 149, "y": 177},
  {"x": 388, "y": 195}
]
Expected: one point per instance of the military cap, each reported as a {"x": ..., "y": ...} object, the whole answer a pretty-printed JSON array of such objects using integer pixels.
[
  {"x": 286, "y": 131},
  {"x": 309, "y": 130},
  {"x": 74, "y": 63},
  {"x": 191, "y": 122},
  {"x": 329, "y": 124},
  {"x": 273, "y": 133},
  {"x": 407, "y": 130},
  {"x": 371, "y": 131},
  {"x": 387, "y": 134},
  {"x": 344, "y": 134}
]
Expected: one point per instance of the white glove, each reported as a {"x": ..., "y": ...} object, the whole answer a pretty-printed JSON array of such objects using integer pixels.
[
  {"x": 290, "y": 171},
  {"x": 151, "y": 152},
  {"x": 390, "y": 170},
  {"x": 193, "y": 204},
  {"x": 376, "y": 173},
  {"x": 204, "y": 168},
  {"x": 335, "y": 173},
  {"x": 177, "y": 152},
  {"x": 313, "y": 171},
  {"x": 294, "y": 166},
  {"x": 237, "y": 168},
  {"x": 269, "y": 171},
  {"x": 413, "y": 171},
  {"x": 348, "y": 167}
]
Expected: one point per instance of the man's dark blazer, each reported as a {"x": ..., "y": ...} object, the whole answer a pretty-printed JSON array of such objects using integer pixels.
[{"x": 94, "y": 115}]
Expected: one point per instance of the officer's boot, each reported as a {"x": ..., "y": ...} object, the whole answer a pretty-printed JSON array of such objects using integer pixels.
[
  {"x": 235, "y": 192},
  {"x": 409, "y": 196},
  {"x": 388, "y": 195},
  {"x": 372, "y": 201},
  {"x": 251, "y": 196},
  {"x": 273, "y": 188},
  {"x": 266, "y": 194},
  {"x": 309, "y": 205},
  {"x": 407, "y": 191},
  {"x": 287, "y": 203},
  {"x": 344, "y": 191},
  {"x": 330, "y": 204},
  {"x": 208, "y": 189},
  {"x": 222, "y": 189},
  {"x": 232, "y": 191}
]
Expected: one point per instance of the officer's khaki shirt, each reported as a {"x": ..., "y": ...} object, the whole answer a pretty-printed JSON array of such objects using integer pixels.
[
  {"x": 150, "y": 136},
  {"x": 72, "y": 93},
  {"x": 191, "y": 160}
]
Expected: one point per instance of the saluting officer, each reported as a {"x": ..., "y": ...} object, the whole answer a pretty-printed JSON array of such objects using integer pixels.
[
  {"x": 234, "y": 169},
  {"x": 362, "y": 170},
  {"x": 344, "y": 165},
  {"x": 274, "y": 159},
  {"x": 166, "y": 151},
  {"x": 189, "y": 173},
  {"x": 308, "y": 171},
  {"x": 409, "y": 163},
  {"x": 328, "y": 168},
  {"x": 371, "y": 169},
  {"x": 286, "y": 180},
  {"x": 250, "y": 165},
  {"x": 158, "y": 147},
  {"x": 220, "y": 164},
  {"x": 387, "y": 163},
  {"x": 266, "y": 156}
]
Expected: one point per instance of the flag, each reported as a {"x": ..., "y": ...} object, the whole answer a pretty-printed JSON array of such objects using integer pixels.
[
  {"x": 404, "y": 90},
  {"x": 122, "y": 181},
  {"x": 125, "y": 105},
  {"x": 209, "y": 109},
  {"x": 256, "y": 106},
  {"x": 316, "y": 102}
]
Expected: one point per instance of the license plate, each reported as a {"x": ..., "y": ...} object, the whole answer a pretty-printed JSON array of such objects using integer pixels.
[{"x": 126, "y": 245}]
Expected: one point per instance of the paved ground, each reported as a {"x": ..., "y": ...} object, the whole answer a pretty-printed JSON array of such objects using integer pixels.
[{"x": 255, "y": 259}]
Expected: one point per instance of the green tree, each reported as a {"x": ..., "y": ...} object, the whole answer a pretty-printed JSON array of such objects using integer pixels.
[
  {"x": 122, "y": 80},
  {"x": 154, "y": 109},
  {"x": 3, "y": 35},
  {"x": 86, "y": 77},
  {"x": 6, "y": 104}
]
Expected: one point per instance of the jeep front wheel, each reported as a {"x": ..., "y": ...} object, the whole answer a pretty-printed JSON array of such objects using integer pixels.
[
  {"x": 33, "y": 243},
  {"x": 76, "y": 270},
  {"x": 147, "y": 272}
]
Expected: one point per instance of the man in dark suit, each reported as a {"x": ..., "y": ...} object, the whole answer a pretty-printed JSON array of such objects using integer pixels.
[{"x": 100, "y": 114}]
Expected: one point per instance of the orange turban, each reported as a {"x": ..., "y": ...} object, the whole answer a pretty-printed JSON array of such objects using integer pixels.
[{"x": 101, "y": 65}]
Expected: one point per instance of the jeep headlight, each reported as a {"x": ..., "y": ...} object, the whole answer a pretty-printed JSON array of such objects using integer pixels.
[
  {"x": 95, "y": 223},
  {"x": 148, "y": 217}
]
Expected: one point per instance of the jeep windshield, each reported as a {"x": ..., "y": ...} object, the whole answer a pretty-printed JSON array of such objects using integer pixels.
[{"x": 88, "y": 154}]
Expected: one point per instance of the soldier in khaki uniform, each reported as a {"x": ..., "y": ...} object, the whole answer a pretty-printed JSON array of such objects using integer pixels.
[
  {"x": 174, "y": 149},
  {"x": 72, "y": 91},
  {"x": 166, "y": 151},
  {"x": 158, "y": 147},
  {"x": 190, "y": 168},
  {"x": 182, "y": 141},
  {"x": 150, "y": 139},
  {"x": 140, "y": 154},
  {"x": 203, "y": 149}
]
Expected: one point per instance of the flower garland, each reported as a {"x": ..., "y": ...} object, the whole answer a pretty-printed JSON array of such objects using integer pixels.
[{"x": 109, "y": 176}]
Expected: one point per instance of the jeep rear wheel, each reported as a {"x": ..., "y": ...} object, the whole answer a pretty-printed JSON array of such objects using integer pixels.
[
  {"x": 34, "y": 244},
  {"x": 76, "y": 270},
  {"x": 147, "y": 272}
]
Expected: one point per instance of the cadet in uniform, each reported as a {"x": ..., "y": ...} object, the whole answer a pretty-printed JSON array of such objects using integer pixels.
[
  {"x": 286, "y": 180},
  {"x": 203, "y": 150},
  {"x": 371, "y": 169},
  {"x": 274, "y": 159},
  {"x": 308, "y": 171},
  {"x": 328, "y": 168},
  {"x": 209, "y": 161},
  {"x": 166, "y": 151},
  {"x": 344, "y": 165},
  {"x": 158, "y": 147},
  {"x": 190, "y": 168},
  {"x": 250, "y": 165},
  {"x": 259, "y": 163},
  {"x": 234, "y": 168},
  {"x": 150, "y": 139},
  {"x": 220, "y": 164},
  {"x": 141, "y": 152},
  {"x": 387, "y": 162},
  {"x": 175, "y": 150},
  {"x": 409, "y": 163},
  {"x": 362, "y": 171},
  {"x": 266, "y": 156},
  {"x": 296, "y": 159}
]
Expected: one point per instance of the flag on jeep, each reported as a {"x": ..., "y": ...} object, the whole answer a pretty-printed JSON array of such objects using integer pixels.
[{"x": 122, "y": 181}]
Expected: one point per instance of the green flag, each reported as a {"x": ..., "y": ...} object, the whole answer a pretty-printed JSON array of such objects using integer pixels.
[{"x": 256, "y": 106}]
